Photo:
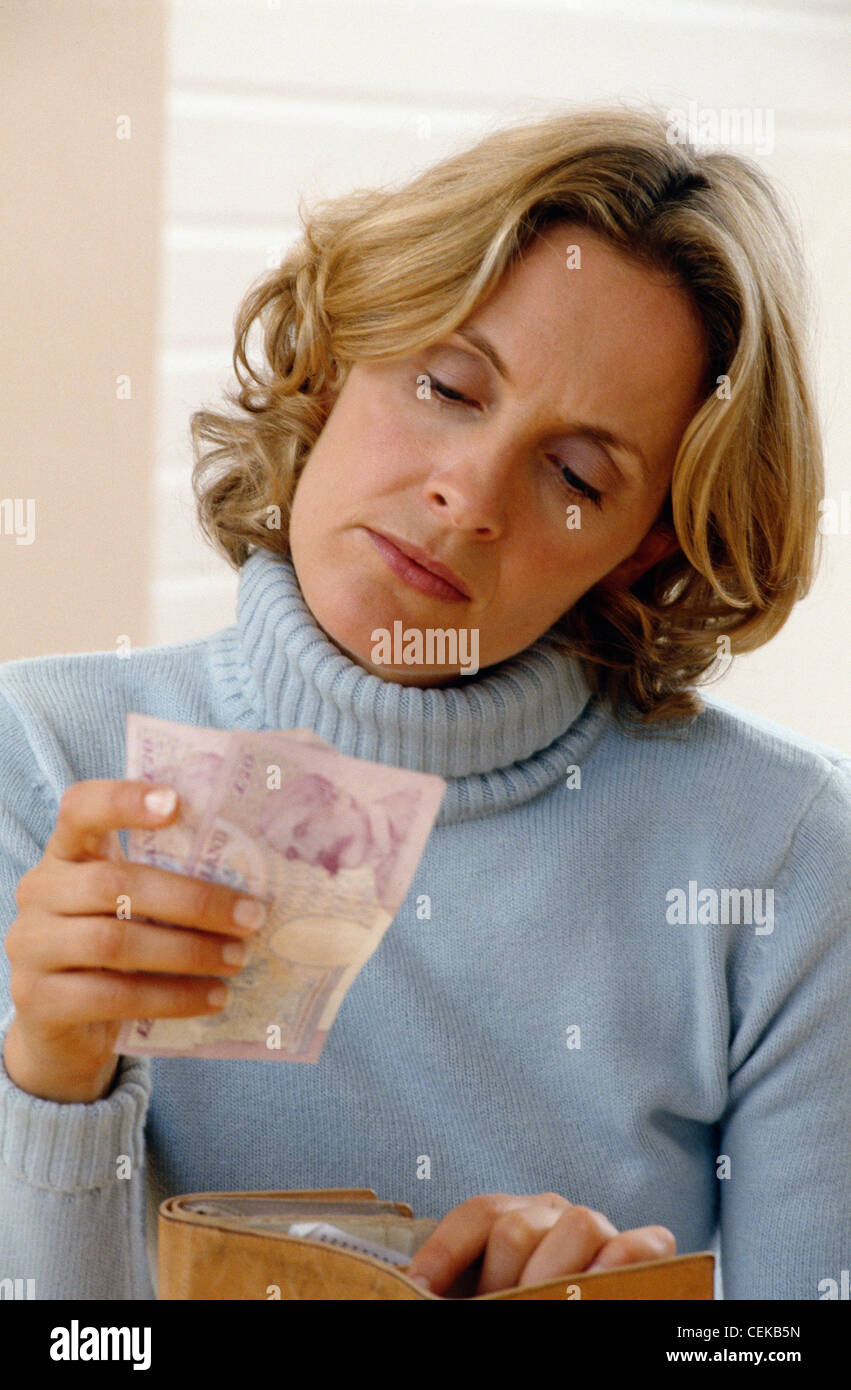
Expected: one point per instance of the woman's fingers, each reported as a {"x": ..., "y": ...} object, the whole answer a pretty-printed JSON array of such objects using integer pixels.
[
  {"x": 73, "y": 998},
  {"x": 99, "y": 939},
  {"x": 528, "y": 1240},
  {"x": 137, "y": 890},
  {"x": 90, "y": 810},
  {"x": 513, "y": 1239},
  {"x": 633, "y": 1247},
  {"x": 575, "y": 1239},
  {"x": 463, "y": 1235},
  {"x": 111, "y": 943}
]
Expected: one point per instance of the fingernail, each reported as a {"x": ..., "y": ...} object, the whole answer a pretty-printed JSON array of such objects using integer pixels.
[
  {"x": 421, "y": 1279},
  {"x": 161, "y": 802},
  {"x": 235, "y": 953},
  {"x": 249, "y": 913},
  {"x": 218, "y": 994}
]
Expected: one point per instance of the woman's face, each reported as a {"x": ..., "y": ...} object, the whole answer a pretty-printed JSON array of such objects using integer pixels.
[{"x": 510, "y": 488}]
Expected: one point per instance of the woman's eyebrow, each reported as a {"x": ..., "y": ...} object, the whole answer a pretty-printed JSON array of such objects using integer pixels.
[{"x": 486, "y": 347}]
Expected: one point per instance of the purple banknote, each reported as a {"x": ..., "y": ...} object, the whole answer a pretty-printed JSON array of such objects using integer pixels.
[{"x": 329, "y": 842}]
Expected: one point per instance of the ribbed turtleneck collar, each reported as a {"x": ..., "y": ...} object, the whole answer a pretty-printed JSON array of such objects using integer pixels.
[{"x": 504, "y": 735}]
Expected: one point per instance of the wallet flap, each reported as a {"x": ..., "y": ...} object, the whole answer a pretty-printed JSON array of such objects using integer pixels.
[
  {"x": 274, "y": 1211},
  {"x": 322, "y": 1194}
]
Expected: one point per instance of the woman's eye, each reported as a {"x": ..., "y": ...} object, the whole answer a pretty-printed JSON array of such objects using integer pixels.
[
  {"x": 448, "y": 396},
  {"x": 447, "y": 393},
  {"x": 579, "y": 485}
]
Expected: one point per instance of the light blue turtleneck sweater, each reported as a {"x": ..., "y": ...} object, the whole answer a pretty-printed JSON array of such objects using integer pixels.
[{"x": 554, "y": 1025}]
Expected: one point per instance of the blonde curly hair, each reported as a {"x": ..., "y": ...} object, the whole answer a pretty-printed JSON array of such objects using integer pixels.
[{"x": 384, "y": 272}]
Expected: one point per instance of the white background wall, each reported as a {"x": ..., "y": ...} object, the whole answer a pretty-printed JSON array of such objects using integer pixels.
[{"x": 266, "y": 101}]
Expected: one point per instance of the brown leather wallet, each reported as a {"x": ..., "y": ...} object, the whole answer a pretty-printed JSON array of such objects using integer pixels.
[{"x": 235, "y": 1245}]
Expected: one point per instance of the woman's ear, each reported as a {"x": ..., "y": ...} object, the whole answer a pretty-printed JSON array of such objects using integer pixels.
[{"x": 658, "y": 544}]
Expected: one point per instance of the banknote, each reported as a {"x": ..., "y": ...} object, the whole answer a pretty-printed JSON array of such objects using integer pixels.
[
  {"x": 333, "y": 1235},
  {"x": 329, "y": 842}
]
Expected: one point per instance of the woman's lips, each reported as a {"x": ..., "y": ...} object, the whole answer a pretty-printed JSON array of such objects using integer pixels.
[{"x": 414, "y": 573}]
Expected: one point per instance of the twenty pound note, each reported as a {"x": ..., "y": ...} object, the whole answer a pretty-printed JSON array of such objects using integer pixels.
[{"x": 330, "y": 843}]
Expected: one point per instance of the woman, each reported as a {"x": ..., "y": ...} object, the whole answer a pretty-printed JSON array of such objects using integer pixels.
[{"x": 548, "y": 397}]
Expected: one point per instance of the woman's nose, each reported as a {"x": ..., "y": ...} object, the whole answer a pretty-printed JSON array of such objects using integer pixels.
[{"x": 473, "y": 494}]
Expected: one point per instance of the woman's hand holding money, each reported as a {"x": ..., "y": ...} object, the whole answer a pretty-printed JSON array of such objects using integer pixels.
[
  {"x": 527, "y": 1240},
  {"x": 79, "y": 970}
]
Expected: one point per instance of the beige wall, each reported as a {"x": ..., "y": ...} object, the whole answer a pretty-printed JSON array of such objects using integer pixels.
[{"x": 80, "y": 235}]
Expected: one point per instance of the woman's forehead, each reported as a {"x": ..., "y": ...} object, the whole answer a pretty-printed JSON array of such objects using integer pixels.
[{"x": 575, "y": 311}]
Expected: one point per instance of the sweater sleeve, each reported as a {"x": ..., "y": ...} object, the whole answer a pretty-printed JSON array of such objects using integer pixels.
[
  {"x": 72, "y": 1177},
  {"x": 784, "y": 1214}
]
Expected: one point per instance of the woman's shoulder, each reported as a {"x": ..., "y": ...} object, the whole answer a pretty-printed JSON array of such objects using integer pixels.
[
  {"x": 67, "y": 711},
  {"x": 47, "y": 684},
  {"x": 27, "y": 669},
  {"x": 728, "y": 736},
  {"x": 751, "y": 732},
  {"x": 788, "y": 775},
  {"x": 29, "y": 681},
  {"x": 730, "y": 765}
]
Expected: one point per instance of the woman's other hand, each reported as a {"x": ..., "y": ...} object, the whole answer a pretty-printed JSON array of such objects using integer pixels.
[{"x": 527, "y": 1240}]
